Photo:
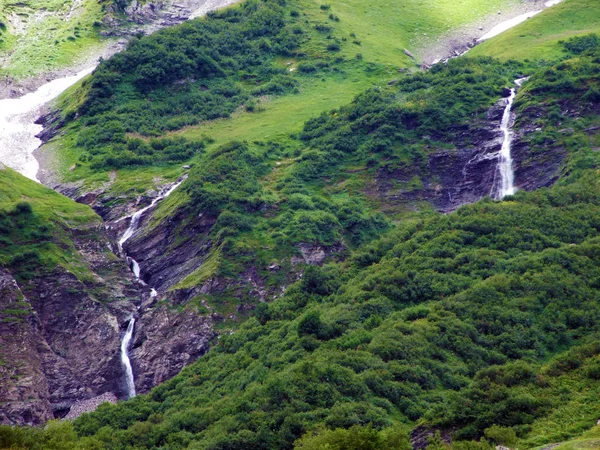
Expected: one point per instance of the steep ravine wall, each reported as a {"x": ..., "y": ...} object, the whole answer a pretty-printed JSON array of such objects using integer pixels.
[
  {"x": 466, "y": 173},
  {"x": 62, "y": 344},
  {"x": 72, "y": 325},
  {"x": 60, "y": 337}
]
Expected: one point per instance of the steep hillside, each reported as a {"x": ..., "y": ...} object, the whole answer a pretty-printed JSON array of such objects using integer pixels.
[
  {"x": 65, "y": 302},
  {"x": 63, "y": 296},
  {"x": 165, "y": 102},
  {"x": 353, "y": 261},
  {"x": 540, "y": 36},
  {"x": 477, "y": 323},
  {"x": 38, "y": 36}
]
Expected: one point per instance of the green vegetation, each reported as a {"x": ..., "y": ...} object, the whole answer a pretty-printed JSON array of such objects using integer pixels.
[
  {"x": 36, "y": 224},
  {"x": 458, "y": 310},
  {"x": 540, "y": 36},
  {"x": 483, "y": 323},
  {"x": 267, "y": 84},
  {"x": 37, "y": 36}
]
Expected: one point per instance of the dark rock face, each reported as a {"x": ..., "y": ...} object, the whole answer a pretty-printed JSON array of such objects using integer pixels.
[
  {"x": 83, "y": 337},
  {"x": 63, "y": 344},
  {"x": 24, "y": 390},
  {"x": 470, "y": 171},
  {"x": 421, "y": 436},
  {"x": 60, "y": 337},
  {"x": 165, "y": 342},
  {"x": 452, "y": 178},
  {"x": 170, "y": 252},
  {"x": 534, "y": 169},
  {"x": 62, "y": 348}
]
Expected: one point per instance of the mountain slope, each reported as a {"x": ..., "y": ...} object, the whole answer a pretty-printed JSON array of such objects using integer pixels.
[
  {"x": 349, "y": 309},
  {"x": 478, "y": 322},
  {"x": 540, "y": 36}
]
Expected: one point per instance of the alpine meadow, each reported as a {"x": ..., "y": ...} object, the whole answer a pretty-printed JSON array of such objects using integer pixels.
[{"x": 300, "y": 225}]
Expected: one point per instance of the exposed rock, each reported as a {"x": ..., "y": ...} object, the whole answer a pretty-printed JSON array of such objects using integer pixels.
[
  {"x": 452, "y": 177},
  {"x": 165, "y": 341},
  {"x": 470, "y": 172},
  {"x": 171, "y": 250},
  {"x": 89, "y": 405},
  {"x": 420, "y": 436},
  {"x": 149, "y": 16},
  {"x": 24, "y": 392}
]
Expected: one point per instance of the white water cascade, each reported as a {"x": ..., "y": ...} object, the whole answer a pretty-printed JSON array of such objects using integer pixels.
[
  {"x": 125, "y": 358},
  {"x": 135, "y": 268},
  {"x": 505, "y": 165},
  {"x": 18, "y": 129},
  {"x": 134, "y": 225}
]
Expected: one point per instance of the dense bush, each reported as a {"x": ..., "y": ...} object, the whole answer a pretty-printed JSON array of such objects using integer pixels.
[
  {"x": 177, "y": 77},
  {"x": 448, "y": 318},
  {"x": 580, "y": 44}
]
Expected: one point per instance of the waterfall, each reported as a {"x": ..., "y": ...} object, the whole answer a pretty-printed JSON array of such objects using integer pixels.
[
  {"x": 125, "y": 358},
  {"x": 505, "y": 165},
  {"x": 134, "y": 225}
]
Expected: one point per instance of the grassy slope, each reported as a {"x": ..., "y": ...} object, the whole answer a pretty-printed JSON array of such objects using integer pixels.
[
  {"x": 46, "y": 232},
  {"x": 47, "y": 35},
  {"x": 538, "y": 37},
  {"x": 384, "y": 29},
  {"x": 589, "y": 440}
]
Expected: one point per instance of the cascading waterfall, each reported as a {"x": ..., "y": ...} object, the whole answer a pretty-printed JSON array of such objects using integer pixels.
[
  {"x": 134, "y": 225},
  {"x": 505, "y": 165},
  {"x": 135, "y": 268},
  {"x": 125, "y": 358}
]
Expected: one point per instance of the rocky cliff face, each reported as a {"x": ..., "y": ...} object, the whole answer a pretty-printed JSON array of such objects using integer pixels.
[
  {"x": 469, "y": 172},
  {"x": 149, "y": 16},
  {"x": 60, "y": 337},
  {"x": 24, "y": 390}
]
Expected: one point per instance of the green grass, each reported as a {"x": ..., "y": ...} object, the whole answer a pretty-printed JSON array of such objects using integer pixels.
[
  {"x": 384, "y": 29},
  {"x": 43, "y": 35},
  {"x": 538, "y": 37},
  {"x": 589, "y": 440},
  {"x": 47, "y": 230},
  {"x": 379, "y": 31},
  {"x": 48, "y": 204},
  {"x": 280, "y": 116}
]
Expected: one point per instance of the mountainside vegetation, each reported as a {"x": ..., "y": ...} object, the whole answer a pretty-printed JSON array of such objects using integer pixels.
[
  {"x": 479, "y": 326},
  {"x": 541, "y": 36},
  {"x": 38, "y": 228},
  {"x": 41, "y": 35}
]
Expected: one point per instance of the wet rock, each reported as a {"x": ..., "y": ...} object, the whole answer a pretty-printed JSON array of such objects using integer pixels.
[
  {"x": 24, "y": 391},
  {"x": 470, "y": 172}
]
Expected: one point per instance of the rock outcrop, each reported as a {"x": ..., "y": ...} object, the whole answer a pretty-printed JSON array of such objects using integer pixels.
[
  {"x": 149, "y": 16},
  {"x": 24, "y": 390},
  {"x": 468, "y": 172},
  {"x": 60, "y": 336},
  {"x": 165, "y": 341}
]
